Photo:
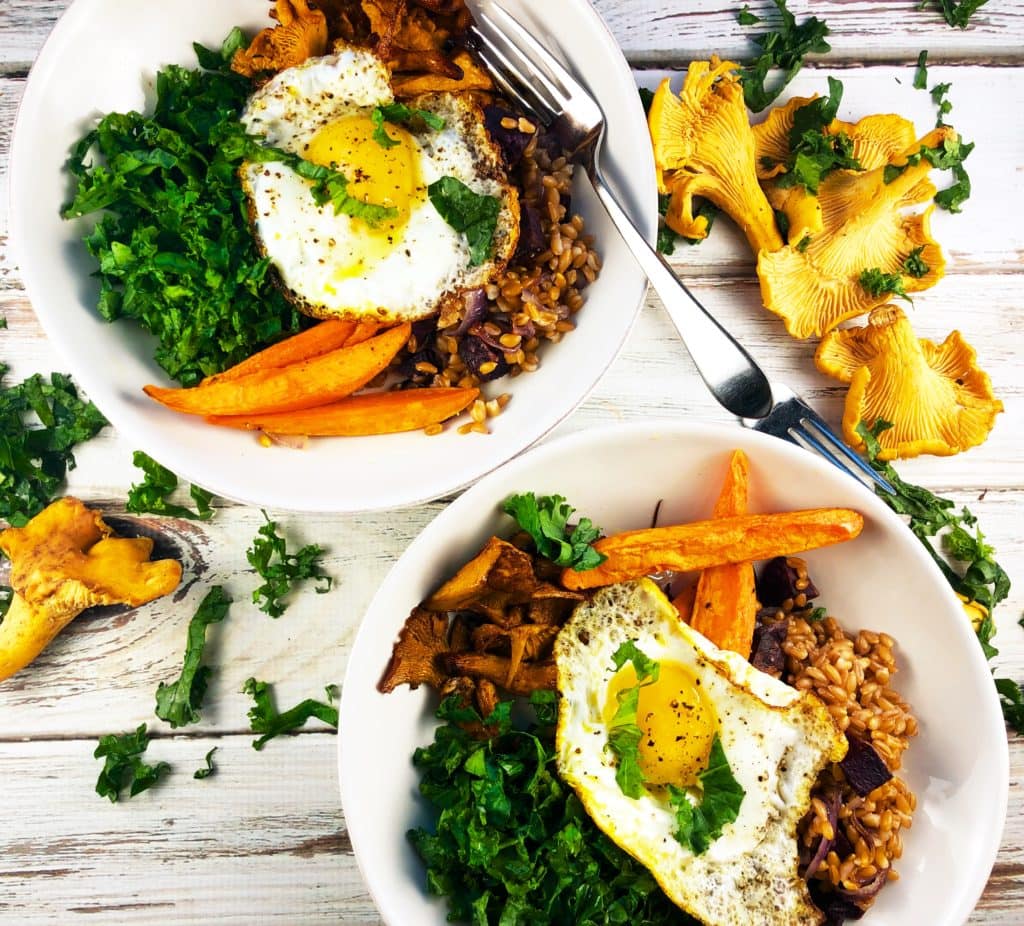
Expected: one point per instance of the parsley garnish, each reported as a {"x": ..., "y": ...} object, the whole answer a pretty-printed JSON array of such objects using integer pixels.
[
  {"x": 178, "y": 703},
  {"x": 913, "y": 265},
  {"x": 159, "y": 482},
  {"x": 474, "y": 215},
  {"x": 745, "y": 18},
  {"x": 1011, "y": 698},
  {"x": 40, "y": 424},
  {"x": 264, "y": 718},
  {"x": 784, "y": 49},
  {"x": 280, "y": 569},
  {"x": 950, "y": 156},
  {"x": 209, "y": 769},
  {"x": 646, "y": 98},
  {"x": 699, "y": 825},
  {"x": 6, "y": 597},
  {"x": 814, "y": 152},
  {"x": 939, "y": 92},
  {"x": 624, "y": 734},
  {"x": 921, "y": 71},
  {"x": 546, "y": 520},
  {"x": 878, "y": 284},
  {"x": 123, "y": 768},
  {"x": 955, "y": 12},
  {"x": 398, "y": 113}
]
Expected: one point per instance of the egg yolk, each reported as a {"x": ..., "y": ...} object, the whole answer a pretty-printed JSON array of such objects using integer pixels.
[
  {"x": 387, "y": 176},
  {"x": 677, "y": 721}
]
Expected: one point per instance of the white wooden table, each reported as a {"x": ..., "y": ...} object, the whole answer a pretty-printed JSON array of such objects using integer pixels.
[{"x": 264, "y": 840}]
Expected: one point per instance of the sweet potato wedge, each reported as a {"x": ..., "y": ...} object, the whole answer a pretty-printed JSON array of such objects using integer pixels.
[
  {"x": 306, "y": 384},
  {"x": 326, "y": 336},
  {"x": 374, "y": 413},
  {"x": 740, "y": 539},
  {"x": 363, "y": 331},
  {"x": 725, "y": 607}
]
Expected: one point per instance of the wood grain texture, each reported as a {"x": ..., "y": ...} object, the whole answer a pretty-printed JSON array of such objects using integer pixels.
[{"x": 264, "y": 840}]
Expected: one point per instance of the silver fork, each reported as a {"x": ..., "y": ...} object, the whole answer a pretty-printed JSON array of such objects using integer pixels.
[{"x": 530, "y": 76}]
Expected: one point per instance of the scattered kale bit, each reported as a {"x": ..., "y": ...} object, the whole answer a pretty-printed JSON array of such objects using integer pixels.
[
  {"x": 264, "y": 718},
  {"x": 512, "y": 842},
  {"x": 914, "y": 266},
  {"x": 179, "y": 702},
  {"x": 818, "y": 614},
  {"x": 921, "y": 72},
  {"x": 123, "y": 768},
  {"x": 474, "y": 215},
  {"x": 150, "y": 496},
  {"x": 3, "y": 321},
  {"x": 699, "y": 825},
  {"x": 209, "y": 769},
  {"x": 955, "y": 12},
  {"x": 646, "y": 98},
  {"x": 1011, "y": 697},
  {"x": 877, "y": 284},
  {"x": 6, "y": 596},
  {"x": 546, "y": 519},
  {"x": 939, "y": 92},
  {"x": 784, "y": 49},
  {"x": 624, "y": 734},
  {"x": 40, "y": 424},
  {"x": 950, "y": 156},
  {"x": 745, "y": 18},
  {"x": 814, "y": 152},
  {"x": 801, "y": 245},
  {"x": 781, "y": 222},
  {"x": 397, "y": 113},
  {"x": 953, "y": 197},
  {"x": 280, "y": 569}
]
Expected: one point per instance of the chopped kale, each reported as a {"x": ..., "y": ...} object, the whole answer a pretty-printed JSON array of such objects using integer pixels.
[
  {"x": 40, "y": 425},
  {"x": 280, "y": 569},
  {"x": 700, "y": 824},
  {"x": 207, "y": 770},
  {"x": 122, "y": 767},
  {"x": 878, "y": 284},
  {"x": 956, "y": 12},
  {"x": 745, "y": 18},
  {"x": 265, "y": 719},
  {"x": 150, "y": 496},
  {"x": 921, "y": 71},
  {"x": 624, "y": 734},
  {"x": 546, "y": 520},
  {"x": 470, "y": 213},
  {"x": 178, "y": 703},
  {"x": 950, "y": 156},
  {"x": 944, "y": 106},
  {"x": 913, "y": 265}
]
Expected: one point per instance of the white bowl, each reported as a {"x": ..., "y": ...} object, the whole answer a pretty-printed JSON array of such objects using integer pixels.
[
  {"x": 102, "y": 57},
  {"x": 884, "y": 580}
]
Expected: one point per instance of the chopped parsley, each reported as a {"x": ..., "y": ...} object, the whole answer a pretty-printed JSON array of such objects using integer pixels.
[
  {"x": 150, "y": 496},
  {"x": 546, "y": 520},
  {"x": 745, "y": 18},
  {"x": 207, "y": 770},
  {"x": 878, "y": 284},
  {"x": 398, "y": 113},
  {"x": 956, "y": 12},
  {"x": 943, "y": 105},
  {"x": 815, "y": 152},
  {"x": 122, "y": 767},
  {"x": 6, "y": 597},
  {"x": 913, "y": 265},
  {"x": 784, "y": 49},
  {"x": 950, "y": 156},
  {"x": 472, "y": 214},
  {"x": 280, "y": 569},
  {"x": 178, "y": 703},
  {"x": 265, "y": 719},
  {"x": 700, "y": 824},
  {"x": 40, "y": 424},
  {"x": 921, "y": 71},
  {"x": 624, "y": 734},
  {"x": 510, "y": 841}
]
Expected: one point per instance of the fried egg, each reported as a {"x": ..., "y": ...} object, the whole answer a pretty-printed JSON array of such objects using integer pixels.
[
  {"x": 334, "y": 265},
  {"x": 776, "y": 740}
]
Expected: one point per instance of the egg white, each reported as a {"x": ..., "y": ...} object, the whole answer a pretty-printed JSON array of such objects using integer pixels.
[
  {"x": 331, "y": 265},
  {"x": 776, "y": 740}
]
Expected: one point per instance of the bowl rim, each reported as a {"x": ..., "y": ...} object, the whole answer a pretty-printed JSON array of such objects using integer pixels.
[
  {"x": 593, "y": 438},
  {"x": 160, "y": 444}
]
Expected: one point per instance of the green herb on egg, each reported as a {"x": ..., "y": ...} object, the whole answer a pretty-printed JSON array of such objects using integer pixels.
[
  {"x": 624, "y": 734},
  {"x": 700, "y": 824},
  {"x": 472, "y": 214}
]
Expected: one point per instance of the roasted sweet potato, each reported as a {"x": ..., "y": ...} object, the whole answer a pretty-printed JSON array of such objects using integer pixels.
[
  {"x": 685, "y": 547},
  {"x": 374, "y": 413},
  {"x": 306, "y": 384},
  {"x": 725, "y": 606}
]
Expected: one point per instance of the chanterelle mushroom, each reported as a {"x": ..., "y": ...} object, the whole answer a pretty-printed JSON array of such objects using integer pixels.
[
  {"x": 703, "y": 146},
  {"x": 67, "y": 559},
  {"x": 300, "y": 33},
  {"x": 935, "y": 396}
]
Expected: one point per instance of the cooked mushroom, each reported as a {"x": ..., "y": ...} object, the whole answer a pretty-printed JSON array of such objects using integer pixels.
[
  {"x": 528, "y": 678},
  {"x": 414, "y": 658},
  {"x": 498, "y": 576},
  {"x": 65, "y": 560},
  {"x": 935, "y": 396},
  {"x": 300, "y": 33}
]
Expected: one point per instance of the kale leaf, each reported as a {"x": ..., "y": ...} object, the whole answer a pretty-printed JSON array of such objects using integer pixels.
[
  {"x": 40, "y": 424},
  {"x": 511, "y": 843},
  {"x": 150, "y": 496},
  {"x": 265, "y": 719},
  {"x": 950, "y": 156},
  {"x": 956, "y": 12},
  {"x": 6, "y": 596},
  {"x": 921, "y": 71},
  {"x": 1011, "y": 698},
  {"x": 624, "y": 734},
  {"x": 913, "y": 265},
  {"x": 546, "y": 520},
  {"x": 122, "y": 767},
  {"x": 398, "y": 113},
  {"x": 470, "y": 213},
  {"x": 207, "y": 770},
  {"x": 784, "y": 49},
  {"x": 699, "y": 825},
  {"x": 876, "y": 283},
  {"x": 178, "y": 703},
  {"x": 280, "y": 569}
]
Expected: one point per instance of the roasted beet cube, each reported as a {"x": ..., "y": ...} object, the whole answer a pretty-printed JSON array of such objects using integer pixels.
[
  {"x": 478, "y": 356},
  {"x": 784, "y": 579},
  {"x": 511, "y": 141}
]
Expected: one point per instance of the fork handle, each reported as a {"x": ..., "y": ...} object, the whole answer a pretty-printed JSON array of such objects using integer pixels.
[{"x": 728, "y": 371}]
